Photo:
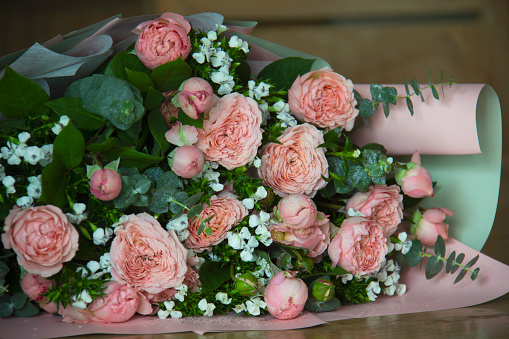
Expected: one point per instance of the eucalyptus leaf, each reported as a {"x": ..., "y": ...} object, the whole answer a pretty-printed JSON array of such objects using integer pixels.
[
  {"x": 472, "y": 262},
  {"x": 168, "y": 179},
  {"x": 192, "y": 200},
  {"x": 475, "y": 273},
  {"x": 415, "y": 86},
  {"x": 439, "y": 246},
  {"x": 414, "y": 255},
  {"x": 313, "y": 305},
  {"x": 179, "y": 197},
  {"x": 410, "y": 106},
  {"x": 18, "y": 300},
  {"x": 28, "y": 310},
  {"x": 460, "y": 276},
  {"x": 142, "y": 186},
  {"x": 366, "y": 108},
  {"x": 194, "y": 211},
  {"x": 389, "y": 94},
  {"x": 459, "y": 260},
  {"x": 433, "y": 267},
  {"x": 376, "y": 92},
  {"x": 6, "y": 309},
  {"x": 450, "y": 262}
]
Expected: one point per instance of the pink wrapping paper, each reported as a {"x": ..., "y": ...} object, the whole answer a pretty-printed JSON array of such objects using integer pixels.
[{"x": 422, "y": 295}]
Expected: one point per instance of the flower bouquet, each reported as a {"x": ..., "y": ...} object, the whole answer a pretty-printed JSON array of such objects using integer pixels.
[{"x": 178, "y": 177}]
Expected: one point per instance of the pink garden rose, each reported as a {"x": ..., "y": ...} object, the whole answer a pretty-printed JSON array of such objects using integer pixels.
[
  {"x": 416, "y": 181},
  {"x": 314, "y": 238},
  {"x": 147, "y": 257},
  {"x": 286, "y": 295},
  {"x": 231, "y": 133},
  {"x": 163, "y": 40},
  {"x": 42, "y": 238},
  {"x": 324, "y": 99},
  {"x": 196, "y": 96},
  {"x": 358, "y": 247},
  {"x": 35, "y": 285},
  {"x": 381, "y": 204},
  {"x": 227, "y": 212},
  {"x": 429, "y": 225},
  {"x": 105, "y": 184},
  {"x": 295, "y": 165},
  {"x": 187, "y": 161},
  {"x": 119, "y": 304},
  {"x": 297, "y": 211}
]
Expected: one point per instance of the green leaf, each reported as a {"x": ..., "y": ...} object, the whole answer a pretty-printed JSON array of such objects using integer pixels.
[
  {"x": 179, "y": 197},
  {"x": 191, "y": 201},
  {"x": 333, "y": 135},
  {"x": 18, "y": 300},
  {"x": 387, "y": 109},
  {"x": 158, "y": 127},
  {"x": 122, "y": 62},
  {"x": 435, "y": 92},
  {"x": 53, "y": 184},
  {"x": 139, "y": 80},
  {"x": 414, "y": 255},
  {"x": 80, "y": 117},
  {"x": 169, "y": 76},
  {"x": 407, "y": 90},
  {"x": 132, "y": 158},
  {"x": 153, "y": 99},
  {"x": 142, "y": 186},
  {"x": 14, "y": 124},
  {"x": 440, "y": 247},
  {"x": 389, "y": 95},
  {"x": 6, "y": 309},
  {"x": 168, "y": 179},
  {"x": 460, "y": 276},
  {"x": 358, "y": 176},
  {"x": 376, "y": 92},
  {"x": 366, "y": 108},
  {"x": 213, "y": 274},
  {"x": 337, "y": 271},
  {"x": 28, "y": 310},
  {"x": 194, "y": 211},
  {"x": 283, "y": 72},
  {"x": 186, "y": 120},
  {"x": 450, "y": 262},
  {"x": 105, "y": 145},
  {"x": 472, "y": 262},
  {"x": 69, "y": 147},
  {"x": 415, "y": 86},
  {"x": 433, "y": 267},
  {"x": 410, "y": 106},
  {"x": 313, "y": 305},
  {"x": 475, "y": 273},
  {"x": 459, "y": 260},
  {"x": 19, "y": 96}
]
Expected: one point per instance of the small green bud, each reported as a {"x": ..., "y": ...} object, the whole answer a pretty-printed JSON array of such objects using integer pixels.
[
  {"x": 323, "y": 290},
  {"x": 247, "y": 285},
  {"x": 306, "y": 264}
]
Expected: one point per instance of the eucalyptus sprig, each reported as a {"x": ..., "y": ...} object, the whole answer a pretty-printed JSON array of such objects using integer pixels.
[{"x": 436, "y": 261}]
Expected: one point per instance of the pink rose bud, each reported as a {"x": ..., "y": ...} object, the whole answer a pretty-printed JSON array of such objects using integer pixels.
[
  {"x": 297, "y": 211},
  {"x": 247, "y": 285},
  {"x": 429, "y": 225},
  {"x": 323, "y": 290},
  {"x": 416, "y": 180},
  {"x": 105, "y": 184},
  {"x": 196, "y": 97},
  {"x": 33, "y": 286},
  {"x": 187, "y": 161},
  {"x": 181, "y": 135},
  {"x": 286, "y": 295}
]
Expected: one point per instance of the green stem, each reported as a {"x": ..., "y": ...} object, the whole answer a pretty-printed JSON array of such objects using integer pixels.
[
  {"x": 7, "y": 256},
  {"x": 444, "y": 259}
]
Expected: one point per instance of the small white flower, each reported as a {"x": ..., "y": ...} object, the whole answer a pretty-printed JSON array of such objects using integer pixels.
[
  {"x": 390, "y": 290},
  {"x": 287, "y": 119},
  {"x": 239, "y": 308},
  {"x": 262, "y": 90},
  {"x": 244, "y": 233},
  {"x": 225, "y": 80},
  {"x": 390, "y": 160},
  {"x": 33, "y": 155},
  {"x": 81, "y": 300},
  {"x": 200, "y": 58},
  {"x": 261, "y": 219},
  {"x": 221, "y": 59},
  {"x": 254, "y": 305},
  {"x": 208, "y": 308},
  {"x": 247, "y": 254},
  {"x": 346, "y": 278},
  {"x": 406, "y": 246},
  {"x": 212, "y": 35},
  {"x": 80, "y": 215},
  {"x": 257, "y": 162},
  {"x": 374, "y": 286},
  {"x": 252, "y": 242},
  {"x": 402, "y": 236},
  {"x": 64, "y": 120},
  {"x": 179, "y": 224},
  {"x": 401, "y": 289},
  {"x": 249, "y": 203},
  {"x": 353, "y": 213},
  {"x": 101, "y": 236},
  {"x": 223, "y": 298},
  {"x": 48, "y": 154},
  {"x": 217, "y": 187},
  {"x": 8, "y": 181},
  {"x": 105, "y": 262},
  {"x": 122, "y": 220},
  {"x": 261, "y": 193},
  {"x": 24, "y": 202},
  {"x": 182, "y": 235},
  {"x": 357, "y": 153},
  {"x": 23, "y": 137},
  {"x": 182, "y": 292},
  {"x": 371, "y": 296},
  {"x": 390, "y": 247},
  {"x": 234, "y": 241},
  {"x": 281, "y": 107},
  {"x": 56, "y": 129}
]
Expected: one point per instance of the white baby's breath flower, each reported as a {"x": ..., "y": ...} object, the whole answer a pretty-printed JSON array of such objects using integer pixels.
[
  {"x": 23, "y": 137},
  {"x": 24, "y": 202},
  {"x": 206, "y": 307},
  {"x": 223, "y": 298},
  {"x": 212, "y": 35},
  {"x": 101, "y": 236},
  {"x": 56, "y": 129},
  {"x": 244, "y": 233},
  {"x": 179, "y": 224},
  {"x": 79, "y": 216},
  {"x": 257, "y": 162},
  {"x": 48, "y": 154},
  {"x": 401, "y": 289},
  {"x": 390, "y": 290},
  {"x": 234, "y": 241},
  {"x": 225, "y": 80},
  {"x": 221, "y": 59},
  {"x": 252, "y": 242},
  {"x": 33, "y": 155},
  {"x": 346, "y": 278},
  {"x": 81, "y": 300},
  {"x": 239, "y": 308},
  {"x": 353, "y": 213},
  {"x": 390, "y": 247},
  {"x": 249, "y": 203},
  {"x": 254, "y": 305},
  {"x": 8, "y": 181},
  {"x": 356, "y": 153},
  {"x": 406, "y": 246},
  {"x": 247, "y": 254}
]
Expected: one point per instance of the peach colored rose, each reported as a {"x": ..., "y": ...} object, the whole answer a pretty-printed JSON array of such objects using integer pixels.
[
  {"x": 296, "y": 211},
  {"x": 191, "y": 280},
  {"x": 105, "y": 184},
  {"x": 147, "y": 257},
  {"x": 227, "y": 212},
  {"x": 163, "y": 40},
  {"x": 35, "y": 285},
  {"x": 231, "y": 133},
  {"x": 315, "y": 238},
  {"x": 286, "y": 295},
  {"x": 429, "y": 225},
  {"x": 358, "y": 247},
  {"x": 324, "y": 99},
  {"x": 42, "y": 238},
  {"x": 296, "y": 165},
  {"x": 119, "y": 304},
  {"x": 416, "y": 181},
  {"x": 381, "y": 204}
]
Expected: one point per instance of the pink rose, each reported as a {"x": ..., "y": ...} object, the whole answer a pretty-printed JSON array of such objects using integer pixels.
[
  {"x": 191, "y": 280},
  {"x": 187, "y": 161},
  {"x": 119, "y": 304},
  {"x": 381, "y": 204},
  {"x": 105, "y": 184},
  {"x": 35, "y": 285},
  {"x": 146, "y": 257},
  {"x": 295, "y": 165},
  {"x": 231, "y": 134},
  {"x": 181, "y": 135},
  {"x": 168, "y": 109},
  {"x": 297, "y": 211},
  {"x": 315, "y": 238},
  {"x": 163, "y": 40},
  {"x": 227, "y": 212},
  {"x": 196, "y": 96},
  {"x": 429, "y": 225},
  {"x": 286, "y": 295},
  {"x": 324, "y": 99},
  {"x": 41, "y": 237},
  {"x": 358, "y": 247},
  {"x": 416, "y": 181}
]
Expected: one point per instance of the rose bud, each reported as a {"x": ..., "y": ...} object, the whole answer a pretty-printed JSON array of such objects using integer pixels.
[
  {"x": 323, "y": 290},
  {"x": 105, "y": 184},
  {"x": 297, "y": 211},
  {"x": 416, "y": 180},
  {"x": 286, "y": 295},
  {"x": 187, "y": 161},
  {"x": 429, "y": 225},
  {"x": 247, "y": 285},
  {"x": 33, "y": 286},
  {"x": 196, "y": 96},
  {"x": 181, "y": 135}
]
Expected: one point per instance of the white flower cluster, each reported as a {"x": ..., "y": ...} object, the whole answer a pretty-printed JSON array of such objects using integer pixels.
[
  {"x": 169, "y": 311},
  {"x": 212, "y": 176},
  {"x": 251, "y": 306},
  {"x": 261, "y": 193},
  {"x": 404, "y": 245},
  {"x": 179, "y": 225},
  {"x": 206, "y": 307},
  {"x": 282, "y": 110},
  {"x": 246, "y": 241},
  {"x": 64, "y": 121},
  {"x": 79, "y": 215},
  {"x": 219, "y": 59},
  {"x": 102, "y": 235},
  {"x": 13, "y": 152},
  {"x": 96, "y": 269}
]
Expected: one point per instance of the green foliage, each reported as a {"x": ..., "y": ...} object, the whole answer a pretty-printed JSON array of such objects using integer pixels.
[
  {"x": 283, "y": 72},
  {"x": 216, "y": 274},
  {"x": 80, "y": 117},
  {"x": 17, "y": 305},
  {"x": 69, "y": 147},
  {"x": 169, "y": 76}
]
